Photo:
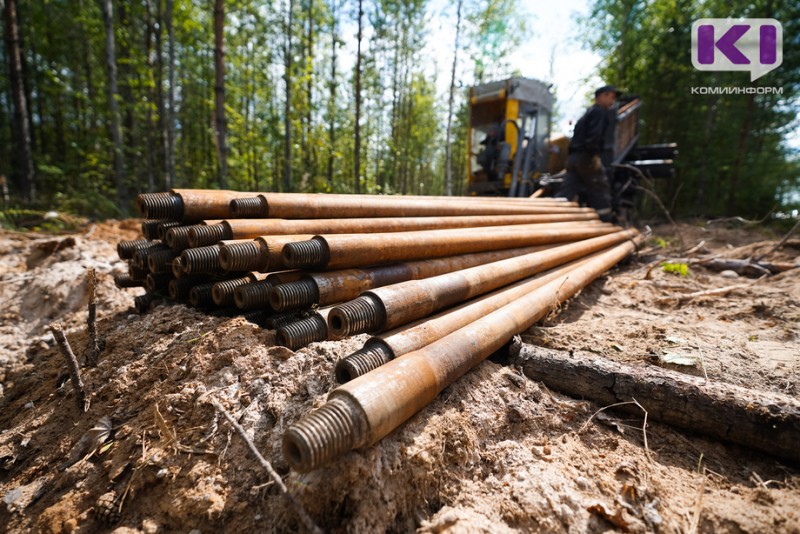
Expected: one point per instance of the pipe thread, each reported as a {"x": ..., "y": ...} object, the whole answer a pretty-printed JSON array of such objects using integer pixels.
[
  {"x": 177, "y": 267},
  {"x": 201, "y": 260},
  {"x": 136, "y": 272},
  {"x": 321, "y": 436},
  {"x": 278, "y": 320},
  {"x": 128, "y": 247},
  {"x": 150, "y": 228},
  {"x": 256, "y": 316},
  {"x": 355, "y": 317},
  {"x": 294, "y": 295},
  {"x": 160, "y": 206},
  {"x": 160, "y": 261},
  {"x": 200, "y": 295},
  {"x": 222, "y": 292},
  {"x": 360, "y": 363},
  {"x": 157, "y": 281},
  {"x": 201, "y": 235},
  {"x": 177, "y": 237},
  {"x": 252, "y": 295},
  {"x": 241, "y": 257},
  {"x": 164, "y": 227},
  {"x": 126, "y": 280},
  {"x": 311, "y": 254},
  {"x": 303, "y": 332},
  {"x": 179, "y": 288},
  {"x": 141, "y": 255},
  {"x": 249, "y": 208},
  {"x": 142, "y": 302}
]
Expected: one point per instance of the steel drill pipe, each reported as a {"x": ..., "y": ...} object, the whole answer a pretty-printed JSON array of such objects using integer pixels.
[
  {"x": 301, "y": 333},
  {"x": 177, "y": 237},
  {"x": 385, "y": 347},
  {"x": 211, "y": 232},
  {"x": 355, "y": 250},
  {"x": 179, "y": 288},
  {"x": 398, "y": 304},
  {"x": 256, "y": 294},
  {"x": 200, "y": 296},
  {"x": 160, "y": 261},
  {"x": 141, "y": 255},
  {"x": 362, "y": 411},
  {"x": 127, "y": 248},
  {"x": 136, "y": 272},
  {"x": 262, "y": 254},
  {"x": 188, "y": 205},
  {"x": 163, "y": 227},
  {"x": 157, "y": 282},
  {"x": 299, "y": 206},
  {"x": 277, "y": 320},
  {"x": 223, "y": 292},
  {"x": 177, "y": 267},
  {"x": 150, "y": 228},
  {"x": 126, "y": 280},
  {"x": 206, "y": 260},
  {"x": 142, "y": 303},
  {"x": 333, "y": 287}
]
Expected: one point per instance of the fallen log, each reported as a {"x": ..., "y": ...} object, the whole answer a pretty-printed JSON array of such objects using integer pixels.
[{"x": 764, "y": 421}]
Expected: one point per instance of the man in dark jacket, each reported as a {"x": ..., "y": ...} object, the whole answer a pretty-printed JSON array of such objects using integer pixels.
[{"x": 585, "y": 169}]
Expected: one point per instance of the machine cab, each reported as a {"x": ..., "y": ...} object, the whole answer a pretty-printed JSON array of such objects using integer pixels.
[{"x": 509, "y": 127}]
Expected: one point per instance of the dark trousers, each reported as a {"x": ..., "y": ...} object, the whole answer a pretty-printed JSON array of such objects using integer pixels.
[{"x": 586, "y": 173}]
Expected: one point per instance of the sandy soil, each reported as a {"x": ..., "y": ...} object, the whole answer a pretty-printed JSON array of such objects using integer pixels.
[{"x": 496, "y": 452}]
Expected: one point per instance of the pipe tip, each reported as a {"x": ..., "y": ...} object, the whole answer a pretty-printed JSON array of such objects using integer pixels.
[
  {"x": 311, "y": 254},
  {"x": 301, "y": 333},
  {"x": 249, "y": 208},
  {"x": 364, "y": 314},
  {"x": 160, "y": 206},
  {"x": 241, "y": 257},
  {"x": 297, "y": 295},
  {"x": 361, "y": 362},
  {"x": 201, "y": 235}
]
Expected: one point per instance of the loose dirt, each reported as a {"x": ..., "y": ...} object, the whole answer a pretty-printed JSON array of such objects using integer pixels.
[{"x": 496, "y": 452}]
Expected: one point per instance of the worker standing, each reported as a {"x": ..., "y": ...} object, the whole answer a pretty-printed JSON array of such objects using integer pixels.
[{"x": 584, "y": 167}]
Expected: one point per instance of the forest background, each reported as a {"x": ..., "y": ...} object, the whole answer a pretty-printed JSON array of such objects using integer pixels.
[{"x": 103, "y": 99}]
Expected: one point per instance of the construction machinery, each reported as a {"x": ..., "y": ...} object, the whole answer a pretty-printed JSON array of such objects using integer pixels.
[{"x": 511, "y": 151}]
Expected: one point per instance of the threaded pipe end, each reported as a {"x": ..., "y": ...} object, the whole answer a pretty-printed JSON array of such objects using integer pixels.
[
  {"x": 160, "y": 206},
  {"x": 201, "y": 235},
  {"x": 201, "y": 260},
  {"x": 150, "y": 228},
  {"x": 128, "y": 247},
  {"x": 321, "y": 436},
  {"x": 160, "y": 261},
  {"x": 135, "y": 272},
  {"x": 311, "y": 254},
  {"x": 141, "y": 255},
  {"x": 249, "y": 208},
  {"x": 294, "y": 295},
  {"x": 222, "y": 292},
  {"x": 164, "y": 227},
  {"x": 360, "y": 363},
  {"x": 126, "y": 280},
  {"x": 364, "y": 314},
  {"x": 179, "y": 288},
  {"x": 177, "y": 237},
  {"x": 177, "y": 267},
  {"x": 256, "y": 316},
  {"x": 142, "y": 302},
  {"x": 200, "y": 295},
  {"x": 252, "y": 295},
  {"x": 157, "y": 281},
  {"x": 303, "y": 332},
  {"x": 241, "y": 257},
  {"x": 278, "y": 320}
]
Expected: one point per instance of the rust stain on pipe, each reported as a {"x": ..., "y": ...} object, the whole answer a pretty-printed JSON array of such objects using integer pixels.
[
  {"x": 366, "y": 409},
  {"x": 262, "y": 254}
]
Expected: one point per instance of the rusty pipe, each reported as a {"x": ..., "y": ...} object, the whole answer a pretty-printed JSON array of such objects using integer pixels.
[
  {"x": 298, "y": 206},
  {"x": 362, "y": 411},
  {"x": 177, "y": 267},
  {"x": 127, "y": 248},
  {"x": 385, "y": 347},
  {"x": 142, "y": 303},
  {"x": 180, "y": 288},
  {"x": 163, "y": 227},
  {"x": 354, "y": 250},
  {"x": 188, "y": 205},
  {"x": 398, "y": 304},
  {"x": 301, "y": 333},
  {"x": 141, "y": 255},
  {"x": 277, "y": 320},
  {"x": 126, "y": 280},
  {"x": 150, "y": 228},
  {"x": 136, "y": 272},
  {"x": 262, "y": 254},
  {"x": 206, "y": 260},
  {"x": 160, "y": 261},
  {"x": 157, "y": 281},
  {"x": 332, "y": 287},
  {"x": 256, "y": 294},
  {"x": 223, "y": 292},
  {"x": 212, "y": 231},
  {"x": 200, "y": 296}
]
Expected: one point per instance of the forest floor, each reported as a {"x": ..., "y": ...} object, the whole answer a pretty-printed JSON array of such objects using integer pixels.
[{"x": 495, "y": 452}]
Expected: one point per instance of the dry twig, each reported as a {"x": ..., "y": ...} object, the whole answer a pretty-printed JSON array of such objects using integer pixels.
[
  {"x": 708, "y": 292},
  {"x": 94, "y": 344},
  {"x": 304, "y": 517},
  {"x": 698, "y": 506},
  {"x": 781, "y": 242},
  {"x": 72, "y": 365}
]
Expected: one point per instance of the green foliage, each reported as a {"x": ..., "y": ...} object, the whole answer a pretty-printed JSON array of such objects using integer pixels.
[{"x": 677, "y": 268}]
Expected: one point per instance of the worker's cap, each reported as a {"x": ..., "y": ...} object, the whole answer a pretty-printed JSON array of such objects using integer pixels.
[{"x": 607, "y": 89}]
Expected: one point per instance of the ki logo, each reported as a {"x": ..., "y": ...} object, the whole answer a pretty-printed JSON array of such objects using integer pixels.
[{"x": 754, "y": 45}]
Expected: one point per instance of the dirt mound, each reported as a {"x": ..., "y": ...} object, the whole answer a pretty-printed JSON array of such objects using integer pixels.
[{"x": 495, "y": 452}]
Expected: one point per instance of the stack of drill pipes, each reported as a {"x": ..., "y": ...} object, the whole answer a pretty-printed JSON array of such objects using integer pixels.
[
  {"x": 391, "y": 306},
  {"x": 333, "y": 287},
  {"x": 298, "y": 206},
  {"x": 192, "y": 205},
  {"x": 387, "y": 346},
  {"x": 363, "y": 411},
  {"x": 212, "y": 231},
  {"x": 329, "y": 252}
]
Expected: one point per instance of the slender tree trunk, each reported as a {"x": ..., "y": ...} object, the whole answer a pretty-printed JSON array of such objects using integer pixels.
[
  {"x": 357, "y": 148},
  {"x": 111, "y": 70},
  {"x": 744, "y": 133},
  {"x": 219, "y": 93},
  {"x": 158, "y": 82},
  {"x": 22, "y": 133},
  {"x": 153, "y": 128},
  {"x": 448, "y": 167},
  {"x": 332, "y": 100},
  {"x": 125, "y": 75},
  {"x": 287, "y": 112},
  {"x": 309, "y": 155},
  {"x": 170, "y": 178}
]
